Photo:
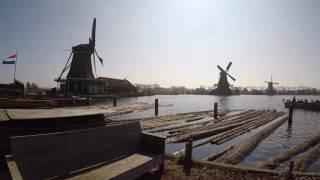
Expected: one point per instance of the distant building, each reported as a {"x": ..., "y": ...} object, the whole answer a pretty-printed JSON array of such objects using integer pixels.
[
  {"x": 118, "y": 86},
  {"x": 15, "y": 89}
]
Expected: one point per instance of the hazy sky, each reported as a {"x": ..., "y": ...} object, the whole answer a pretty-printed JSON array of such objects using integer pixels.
[{"x": 169, "y": 42}]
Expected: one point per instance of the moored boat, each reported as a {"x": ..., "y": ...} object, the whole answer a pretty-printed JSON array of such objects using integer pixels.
[{"x": 303, "y": 105}]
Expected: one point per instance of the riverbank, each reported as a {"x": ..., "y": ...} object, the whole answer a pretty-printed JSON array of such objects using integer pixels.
[{"x": 219, "y": 171}]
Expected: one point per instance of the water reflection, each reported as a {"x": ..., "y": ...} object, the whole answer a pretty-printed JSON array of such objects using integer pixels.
[
  {"x": 289, "y": 131},
  {"x": 223, "y": 101}
]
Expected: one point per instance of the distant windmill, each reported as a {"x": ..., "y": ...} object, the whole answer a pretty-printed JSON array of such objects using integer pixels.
[
  {"x": 270, "y": 90},
  {"x": 223, "y": 86},
  {"x": 80, "y": 78}
]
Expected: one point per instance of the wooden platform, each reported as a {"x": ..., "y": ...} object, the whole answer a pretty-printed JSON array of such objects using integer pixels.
[
  {"x": 26, "y": 114},
  {"x": 19, "y": 122},
  {"x": 3, "y": 115},
  {"x": 56, "y": 113},
  {"x": 113, "y": 170}
]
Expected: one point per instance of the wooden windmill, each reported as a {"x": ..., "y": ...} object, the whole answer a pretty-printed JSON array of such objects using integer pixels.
[
  {"x": 80, "y": 79},
  {"x": 270, "y": 90},
  {"x": 223, "y": 86}
]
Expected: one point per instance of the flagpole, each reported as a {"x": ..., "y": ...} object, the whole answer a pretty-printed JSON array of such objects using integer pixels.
[{"x": 15, "y": 68}]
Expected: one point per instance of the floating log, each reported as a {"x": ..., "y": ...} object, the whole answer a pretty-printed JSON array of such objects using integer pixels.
[
  {"x": 248, "y": 127},
  {"x": 201, "y": 126},
  {"x": 194, "y": 119},
  {"x": 303, "y": 162},
  {"x": 210, "y": 130},
  {"x": 218, "y": 154},
  {"x": 288, "y": 154},
  {"x": 229, "y": 117},
  {"x": 217, "y": 128},
  {"x": 245, "y": 148},
  {"x": 216, "y": 138},
  {"x": 207, "y": 133},
  {"x": 161, "y": 129},
  {"x": 153, "y": 123},
  {"x": 228, "y": 135}
]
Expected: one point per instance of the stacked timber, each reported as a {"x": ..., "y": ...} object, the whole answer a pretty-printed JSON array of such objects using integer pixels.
[
  {"x": 229, "y": 127},
  {"x": 291, "y": 152},
  {"x": 154, "y": 124},
  {"x": 236, "y": 154},
  {"x": 226, "y": 130}
]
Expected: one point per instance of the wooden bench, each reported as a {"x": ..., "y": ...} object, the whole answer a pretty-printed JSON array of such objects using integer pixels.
[{"x": 115, "y": 152}]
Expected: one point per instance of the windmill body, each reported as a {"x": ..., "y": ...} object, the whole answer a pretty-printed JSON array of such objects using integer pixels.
[
  {"x": 270, "y": 90},
  {"x": 223, "y": 86},
  {"x": 81, "y": 66}
]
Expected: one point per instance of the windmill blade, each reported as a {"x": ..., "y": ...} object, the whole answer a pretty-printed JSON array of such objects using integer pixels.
[
  {"x": 66, "y": 66},
  {"x": 100, "y": 59},
  {"x": 93, "y": 34},
  {"x": 221, "y": 69},
  {"x": 275, "y": 83},
  {"x": 94, "y": 64},
  {"x": 229, "y": 65},
  {"x": 231, "y": 77}
]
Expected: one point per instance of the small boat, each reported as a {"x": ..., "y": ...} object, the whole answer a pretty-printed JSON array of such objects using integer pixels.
[{"x": 303, "y": 105}]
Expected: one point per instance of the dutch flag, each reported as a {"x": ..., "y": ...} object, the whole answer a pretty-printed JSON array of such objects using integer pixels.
[{"x": 10, "y": 60}]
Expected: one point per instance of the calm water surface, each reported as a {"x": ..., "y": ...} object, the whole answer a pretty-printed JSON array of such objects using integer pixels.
[{"x": 305, "y": 123}]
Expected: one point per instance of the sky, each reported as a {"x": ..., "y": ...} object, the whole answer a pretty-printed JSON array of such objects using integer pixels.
[{"x": 168, "y": 42}]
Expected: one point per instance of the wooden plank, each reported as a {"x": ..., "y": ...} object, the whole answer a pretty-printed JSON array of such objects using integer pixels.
[
  {"x": 122, "y": 167},
  {"x": 3, "y": 115},
  {"x": 51, "y": 154},
  {"x": 25, "y": 114},
  {"x": 13, "y": 168}
]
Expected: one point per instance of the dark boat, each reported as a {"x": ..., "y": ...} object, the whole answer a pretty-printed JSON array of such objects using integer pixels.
[{"x": 303, "y": 105}]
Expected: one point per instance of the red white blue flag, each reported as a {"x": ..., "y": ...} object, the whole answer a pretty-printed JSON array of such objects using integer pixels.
[{"x": 10, "y": 60}]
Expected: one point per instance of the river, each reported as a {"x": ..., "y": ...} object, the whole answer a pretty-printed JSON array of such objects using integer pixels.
[{"x": 305, "y": 123}]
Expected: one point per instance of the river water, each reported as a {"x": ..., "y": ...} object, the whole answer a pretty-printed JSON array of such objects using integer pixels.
[{"x": 305, "y": 123}]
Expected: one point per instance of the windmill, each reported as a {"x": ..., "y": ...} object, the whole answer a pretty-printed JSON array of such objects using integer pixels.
[
  {"x": 80, "y": 78},
  {"x": 223, "y": 86},
  {"x": 270, "y": 90}
]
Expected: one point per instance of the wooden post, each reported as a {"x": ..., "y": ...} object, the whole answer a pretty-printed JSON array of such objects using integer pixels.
[
  {"x": 114, "y": 101},
  {"x": 156, "y": 104},
  {"x": 290, "y": 114},
  {"x": 290, "y": 175},
  {"x": 215, "y": 110},
  {"x": 188, "y": 157}
]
